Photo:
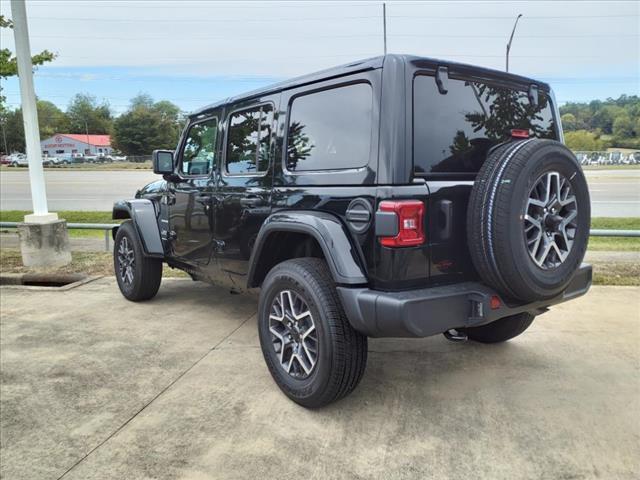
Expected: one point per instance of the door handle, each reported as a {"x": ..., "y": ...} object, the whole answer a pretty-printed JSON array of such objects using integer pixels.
[
  {"x": 445, "y": 219},
  {"x": 252, "y": 201}
]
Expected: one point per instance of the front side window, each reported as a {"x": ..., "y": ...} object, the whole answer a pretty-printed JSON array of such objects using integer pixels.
[
  {"x": 198, "y": 155},
  {"x": 330, "y": 129},
  {"x": 248, "y": 140},
  {"x": 454, "y": 132}
]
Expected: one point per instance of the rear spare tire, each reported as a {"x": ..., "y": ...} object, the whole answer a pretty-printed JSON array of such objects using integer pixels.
[{"x": 528, "y": 219}]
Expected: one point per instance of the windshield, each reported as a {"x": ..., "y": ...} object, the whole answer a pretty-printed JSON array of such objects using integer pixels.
[{"x": 454, "y": 132}]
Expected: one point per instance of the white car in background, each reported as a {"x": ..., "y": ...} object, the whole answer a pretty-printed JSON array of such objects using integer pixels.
[{"x": 18, "y": 160}]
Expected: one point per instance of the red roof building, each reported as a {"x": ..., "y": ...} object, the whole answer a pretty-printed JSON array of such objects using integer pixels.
[{"x": 63, "y": 144}]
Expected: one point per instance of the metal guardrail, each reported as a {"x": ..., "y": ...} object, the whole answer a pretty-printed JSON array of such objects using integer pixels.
[
  {"x": 107, "y": 227},
  {"x": 614, "y": 233}
]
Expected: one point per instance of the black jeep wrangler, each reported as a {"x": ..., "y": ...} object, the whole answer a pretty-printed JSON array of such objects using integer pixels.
[{"x": 393, "y": 197}]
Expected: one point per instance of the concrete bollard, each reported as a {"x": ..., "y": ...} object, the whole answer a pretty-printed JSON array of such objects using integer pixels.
[{"x": 44, "y": 244}]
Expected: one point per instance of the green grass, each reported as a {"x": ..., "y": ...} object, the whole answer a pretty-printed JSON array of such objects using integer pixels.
[
  {"x": 71, "y": 216},
  {"x": 615, "y": 223},
  {"x": 616, "y": 244}
]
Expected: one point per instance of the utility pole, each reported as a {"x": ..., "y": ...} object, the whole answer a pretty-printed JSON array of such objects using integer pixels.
[
  {"x": 384, "y": 26},
  {"x": 511, "y": 38},
  {"x": 86, "y": 132},
  {"x": 44, "y": 241}
]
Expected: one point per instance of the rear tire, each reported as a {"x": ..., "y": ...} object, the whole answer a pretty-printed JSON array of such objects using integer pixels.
[
  {"x": 501, "y": 330},
  {"x": 312, "y": 351},
  {"x": 138, "y": 276}
]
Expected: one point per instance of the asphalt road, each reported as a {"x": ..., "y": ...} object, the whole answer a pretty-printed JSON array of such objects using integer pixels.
[
  {"x": 614, "y": 193},
  {"x": 96, "y": 387},
  {"x": 73, "y": 189}
]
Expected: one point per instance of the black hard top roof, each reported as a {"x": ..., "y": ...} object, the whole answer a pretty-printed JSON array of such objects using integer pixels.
[{"x": 362, "y": 65}]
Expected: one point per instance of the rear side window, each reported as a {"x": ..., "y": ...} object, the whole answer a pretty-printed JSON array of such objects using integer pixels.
[
  {"x": 454, "y": 132},
  {"x": 330, "y": 129},
  {"x": 248, "y": 140}
]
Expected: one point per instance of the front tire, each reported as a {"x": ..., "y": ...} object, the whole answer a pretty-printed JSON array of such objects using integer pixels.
[
  {"x": 138, "y": 276},
  {"x": 312, "y": 351},
  {"x": 501, "y": 330}
]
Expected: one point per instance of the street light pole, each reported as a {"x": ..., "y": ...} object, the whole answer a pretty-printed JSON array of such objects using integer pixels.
[
  {"x": 44, "y": 240},
  {"x": 384, "y": 25},
  {"x": 511, "y": 39},
  {"x": 29, "y": 111}
]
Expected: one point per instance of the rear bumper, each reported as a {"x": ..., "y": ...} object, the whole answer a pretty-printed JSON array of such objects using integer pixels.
[{"x": 429, "y": 311}]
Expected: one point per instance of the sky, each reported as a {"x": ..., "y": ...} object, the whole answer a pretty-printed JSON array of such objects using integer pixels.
[{"x": 197, "y": 52}]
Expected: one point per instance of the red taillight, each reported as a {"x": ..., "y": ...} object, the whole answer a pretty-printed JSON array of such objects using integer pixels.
[
  {"x": 410, "y": 215},
  {"x": 518, "y": 133},
  {"x": 495, "y": 302}
]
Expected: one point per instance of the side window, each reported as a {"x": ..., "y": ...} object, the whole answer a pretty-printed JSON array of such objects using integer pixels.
[
  {"x": 330, "y": 129},
  {"x": 248, "y": 140},
  {"x": 198, "y": 155}
]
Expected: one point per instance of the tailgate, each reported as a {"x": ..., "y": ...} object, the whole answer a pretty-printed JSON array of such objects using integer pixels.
[{"x": 447, "y": 232}]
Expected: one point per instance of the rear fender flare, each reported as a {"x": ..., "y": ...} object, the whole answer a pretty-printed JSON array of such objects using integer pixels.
[
  {"x": 142, "y": 212},
  {"x": 341, "y": 256}
]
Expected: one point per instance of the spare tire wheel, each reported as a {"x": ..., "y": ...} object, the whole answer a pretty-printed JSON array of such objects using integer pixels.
[{"x": 528, "y": 219}]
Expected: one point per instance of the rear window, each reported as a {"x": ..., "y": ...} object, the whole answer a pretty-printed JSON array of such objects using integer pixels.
[
  {"x": 453, "y": 132},
  {"x": 330, "y": 129}
]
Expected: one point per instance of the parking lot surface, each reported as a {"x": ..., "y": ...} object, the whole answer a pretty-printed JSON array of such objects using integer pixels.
[{"x": 95, "y": 387}]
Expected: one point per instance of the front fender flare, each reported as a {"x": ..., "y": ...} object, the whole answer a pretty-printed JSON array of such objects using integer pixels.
[
  {"x": 142, "y": 212},
  {"x": 342, "y": 257}
]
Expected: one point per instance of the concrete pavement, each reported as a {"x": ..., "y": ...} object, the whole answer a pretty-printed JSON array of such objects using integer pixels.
[
  {"x": 95, "y": 387},
  {"x": 614, "y": 193}
]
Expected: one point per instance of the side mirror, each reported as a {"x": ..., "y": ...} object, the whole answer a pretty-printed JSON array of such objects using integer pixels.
[{"x": 163, "y": 162}]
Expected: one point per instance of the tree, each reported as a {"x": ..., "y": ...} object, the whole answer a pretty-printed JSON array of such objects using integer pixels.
[
  {"x": 147, "y": 126},
  {"x": 9, "y": 68},
  {"x": 583, "y": 140},
  {"x": 623, "y": 127},
  {"x": 618, "y": 117},
  {"x": 13, "y": 131},
  {"x": 51, "y": 120},
  {"x": 569, "y": 121},
  {"x": 86, "y": 115},
  {"x": 9, "y": 63}
]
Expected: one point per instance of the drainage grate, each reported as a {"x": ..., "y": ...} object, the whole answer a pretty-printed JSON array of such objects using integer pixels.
[{"x": 45, "y": 281}]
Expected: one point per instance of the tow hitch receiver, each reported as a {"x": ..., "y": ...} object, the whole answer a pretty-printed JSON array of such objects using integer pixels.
[{"x": 454, "y": 335}]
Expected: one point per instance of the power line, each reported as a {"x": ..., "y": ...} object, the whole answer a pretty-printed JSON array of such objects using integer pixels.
[
  {"x": 332, "y": 19},
  {"x": 502, "y": 17},
  {"x": 201, "y": 60},
  {"x": 358, "y": 35},
  {"x": 218, "y": 5},
  {"x": 200, "y": 20}
]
